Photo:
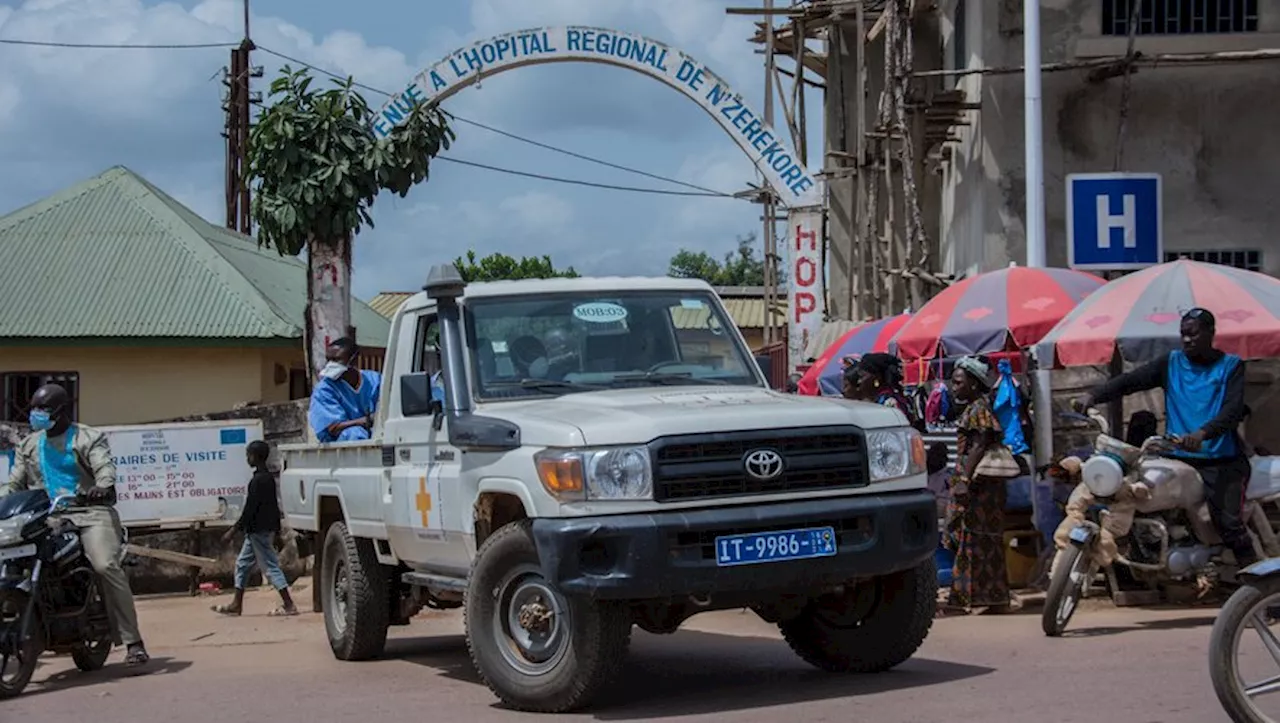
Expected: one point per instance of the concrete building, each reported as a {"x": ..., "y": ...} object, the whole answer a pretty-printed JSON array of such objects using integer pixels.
[
  {"x": 146, "y": 311},
  {"x": 1207, "y": 129}
]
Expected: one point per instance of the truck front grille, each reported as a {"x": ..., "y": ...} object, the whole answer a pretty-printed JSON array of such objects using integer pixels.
[{"x": 698, "y": 466}]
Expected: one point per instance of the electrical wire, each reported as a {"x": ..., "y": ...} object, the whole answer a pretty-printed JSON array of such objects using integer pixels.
[
  {"x": 116, "y": 46},
  {"x": 576, "y": 182},
  {"x": 701, "y": 190}
]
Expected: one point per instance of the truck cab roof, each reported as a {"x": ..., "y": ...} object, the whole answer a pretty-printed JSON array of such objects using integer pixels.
[{"x": 489, "y": 289}]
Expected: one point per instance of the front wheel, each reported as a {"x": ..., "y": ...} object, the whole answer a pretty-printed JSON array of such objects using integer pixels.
[
  {"x": 1066, "y": 587},
  {"x": 536, "y": 648},
  {"x": 17, "y": 658},
  {"x": 871, "y": 628},
  {"x": 1246, "y": 608}
]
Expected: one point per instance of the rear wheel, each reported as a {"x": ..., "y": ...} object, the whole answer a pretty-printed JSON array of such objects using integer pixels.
[
  {"x": 1066, "y": 588},
  {"x": 17, "y": 658},
  {"x": 92, "y": 654},
  {"x": 354, "y": 596}
]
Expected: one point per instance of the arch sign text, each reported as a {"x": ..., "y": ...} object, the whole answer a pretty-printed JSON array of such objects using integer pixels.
[{"x": 771, "y": 154}]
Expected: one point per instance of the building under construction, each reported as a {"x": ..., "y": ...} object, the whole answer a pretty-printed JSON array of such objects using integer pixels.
[{"x": 923, "y": 120}]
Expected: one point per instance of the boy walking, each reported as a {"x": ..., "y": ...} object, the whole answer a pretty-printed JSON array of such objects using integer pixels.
[{"x": 259, "y": 521}]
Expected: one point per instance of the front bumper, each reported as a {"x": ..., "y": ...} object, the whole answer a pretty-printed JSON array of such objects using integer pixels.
[{"x": 668, "y": 554}]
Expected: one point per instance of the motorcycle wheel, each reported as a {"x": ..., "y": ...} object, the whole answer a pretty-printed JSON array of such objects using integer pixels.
[
  {"x": 1066, "y": 587},
  {"x": 1246, "y": 606},
  {"x": 92, "y": 654},
  {"x": 17, "y": 667}
]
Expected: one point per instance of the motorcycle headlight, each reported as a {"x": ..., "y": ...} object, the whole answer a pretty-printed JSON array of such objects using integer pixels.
[
  {"x": 895, "y": 453},
  {"x": 11, "y": 528},
  {"x": 1102, "y": 475},
  {"x": 614, "y": 473}
]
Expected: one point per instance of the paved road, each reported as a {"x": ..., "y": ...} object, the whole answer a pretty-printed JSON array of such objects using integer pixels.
[{"x": 257, "y": 668}]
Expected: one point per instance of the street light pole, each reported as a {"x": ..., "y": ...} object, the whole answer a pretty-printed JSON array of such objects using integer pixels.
[{"x": 1036, "y": 256}]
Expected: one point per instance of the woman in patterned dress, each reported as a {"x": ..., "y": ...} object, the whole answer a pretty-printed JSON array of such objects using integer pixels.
[
  {"x": 975, "y": 516},
  {"x": 878, "y": 378}
]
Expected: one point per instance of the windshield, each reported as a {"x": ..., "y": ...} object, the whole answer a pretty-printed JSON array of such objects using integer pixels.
[{"x": 541, "y": 345}]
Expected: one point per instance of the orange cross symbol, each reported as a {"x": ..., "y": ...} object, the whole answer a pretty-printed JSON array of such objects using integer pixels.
[{"x": 422, "y": 501}]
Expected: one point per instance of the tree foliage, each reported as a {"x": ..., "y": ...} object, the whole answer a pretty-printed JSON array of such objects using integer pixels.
[
  {"x": 741, "y": 267},
  {"x": 500, "y": 267},
  {"x": 319, "y": 166}
]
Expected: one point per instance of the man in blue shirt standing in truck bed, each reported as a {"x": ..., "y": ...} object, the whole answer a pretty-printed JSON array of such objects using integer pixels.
[{"x": 1204, "y": 405}]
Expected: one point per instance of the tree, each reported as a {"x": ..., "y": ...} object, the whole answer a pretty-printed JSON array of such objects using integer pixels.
[
  {"x": 319, "y": 168},
  {"x": 500, "y": 267},
  {"x": 739, "y": 268}
]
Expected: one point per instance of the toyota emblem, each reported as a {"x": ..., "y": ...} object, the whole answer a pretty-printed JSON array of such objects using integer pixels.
[{"x": 763, "y": 464}]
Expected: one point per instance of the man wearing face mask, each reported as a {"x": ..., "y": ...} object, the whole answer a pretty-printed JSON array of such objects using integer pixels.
[
  {"x": 66, "y": 458},
  {"x": 345, "y": 398}
]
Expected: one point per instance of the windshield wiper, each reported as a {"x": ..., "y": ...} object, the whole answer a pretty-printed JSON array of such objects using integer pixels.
[
  {"x": 667, "y": 378},
  {"x": 555, "y": 384}
]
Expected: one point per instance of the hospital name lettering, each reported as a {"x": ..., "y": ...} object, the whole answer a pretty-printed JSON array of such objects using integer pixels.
[
  {"x": 463, "y": 64},
  {"x": 744, "y": 122}
]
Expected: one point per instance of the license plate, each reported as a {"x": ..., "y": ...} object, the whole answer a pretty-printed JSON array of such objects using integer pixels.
[
  {"x": 1079, "y": 534},
  {"x": 775, "y": 546},
  {"x": 13, "y": 553}
]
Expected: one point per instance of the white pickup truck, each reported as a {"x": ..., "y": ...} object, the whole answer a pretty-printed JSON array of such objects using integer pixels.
[{"x": 603, "y": 453}]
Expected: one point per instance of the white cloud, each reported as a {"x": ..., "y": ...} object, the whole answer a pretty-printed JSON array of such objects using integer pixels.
[{"x": 68, "y": 114}]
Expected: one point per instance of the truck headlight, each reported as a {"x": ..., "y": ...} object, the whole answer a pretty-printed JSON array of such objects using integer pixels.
[
  {"x": 894, "y": 453},
  {"x": 615, "y": 473}
]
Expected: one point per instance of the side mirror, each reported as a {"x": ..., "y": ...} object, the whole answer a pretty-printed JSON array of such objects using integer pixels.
[{"x": 415, "y": 395}]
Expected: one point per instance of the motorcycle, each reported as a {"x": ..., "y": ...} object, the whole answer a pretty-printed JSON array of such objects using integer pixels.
[
  {"x": 1253, "y": 605},
  {"x": 49, "y": 595},
  {"x": 1135, "y": 510}
]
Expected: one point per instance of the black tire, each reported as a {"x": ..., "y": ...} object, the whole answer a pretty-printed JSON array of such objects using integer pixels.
[
  {"x": 588, "y": 639},
  {"x": 890, "y": 632},
  {"x": 16, "y": 674},
  {"x": 89, "y": 657},
  {"x": 355, "y": 616},
  {"x": 1063, "y": 596},
  {"x": 92, "y": 654},
  {"x": 1227, "y": 629}
]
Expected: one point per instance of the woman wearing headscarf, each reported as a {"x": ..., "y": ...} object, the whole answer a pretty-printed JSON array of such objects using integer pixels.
[
  {"x": 878, "y": 378},
  {"x": 975, "y": 516}
]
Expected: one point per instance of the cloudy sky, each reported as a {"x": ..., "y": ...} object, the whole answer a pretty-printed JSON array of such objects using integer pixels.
[{"x": 68, "y": 114}]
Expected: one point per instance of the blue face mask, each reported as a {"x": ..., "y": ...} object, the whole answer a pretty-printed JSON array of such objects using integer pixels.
[{"x": 40, "y": 420}]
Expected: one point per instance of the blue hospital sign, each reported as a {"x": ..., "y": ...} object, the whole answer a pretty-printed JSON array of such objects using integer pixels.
[{"x": 1114, "y": 221}]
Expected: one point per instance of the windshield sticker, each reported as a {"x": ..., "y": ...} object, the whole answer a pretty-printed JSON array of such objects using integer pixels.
[
  {"x": 692, "y": 303},
  {"x": 599, "y": 312}
]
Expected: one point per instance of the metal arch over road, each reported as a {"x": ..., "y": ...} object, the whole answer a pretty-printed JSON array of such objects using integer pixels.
[{"x": 771, "y": 154}]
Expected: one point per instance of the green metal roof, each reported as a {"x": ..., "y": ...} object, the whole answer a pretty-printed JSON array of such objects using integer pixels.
[{"x": 116, "y": 257}]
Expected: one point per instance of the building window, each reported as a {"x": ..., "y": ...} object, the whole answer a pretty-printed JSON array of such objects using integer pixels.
[
  {"x": 1181, "y": 17},
  {"x": 299, "y": 384},
  {"x": 1249, "y": 260},
  {"x": 959, "y": 49},
  {"x": 19, "y": 386}
]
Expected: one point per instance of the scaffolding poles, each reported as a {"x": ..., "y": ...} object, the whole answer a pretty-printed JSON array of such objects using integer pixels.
[{"x": 882, "y": 122}]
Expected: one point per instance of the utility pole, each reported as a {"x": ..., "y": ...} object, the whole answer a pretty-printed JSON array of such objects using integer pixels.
[
  {"x": 237, "y": 102},
  {"x": 770, "y": 209}
]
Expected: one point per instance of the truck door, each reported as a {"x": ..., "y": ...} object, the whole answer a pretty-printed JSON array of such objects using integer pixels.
[{"x": 422, "y": 459}]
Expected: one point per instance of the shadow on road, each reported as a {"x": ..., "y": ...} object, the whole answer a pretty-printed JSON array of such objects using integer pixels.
[
  {"x": 113, "y": 672},
  {"x": 694, "y": 672},
  {"x": 1200, "y": 621}
]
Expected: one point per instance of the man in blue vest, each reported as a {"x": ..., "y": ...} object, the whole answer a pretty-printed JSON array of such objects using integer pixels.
[{"x": 1204, "y": 405}]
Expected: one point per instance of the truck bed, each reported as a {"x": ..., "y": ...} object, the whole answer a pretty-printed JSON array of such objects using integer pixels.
[{"x": 352, "y": 473}]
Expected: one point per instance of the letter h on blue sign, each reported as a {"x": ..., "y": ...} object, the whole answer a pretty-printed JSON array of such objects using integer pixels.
[{"x": 1114, "y": 220}]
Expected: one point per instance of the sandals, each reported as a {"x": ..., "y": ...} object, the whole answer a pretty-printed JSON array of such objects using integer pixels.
[
  {"x": 283, "y": 612},
  {"x": 226, "y": 610},
  {"x": 136, "y": 656}
]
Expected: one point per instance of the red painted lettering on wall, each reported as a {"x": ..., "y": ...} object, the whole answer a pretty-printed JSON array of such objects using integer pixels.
[
  {"x": 810, "y": 236},
  {"x": 806, "y": 303},
  {"x": 806, "y": 272}
]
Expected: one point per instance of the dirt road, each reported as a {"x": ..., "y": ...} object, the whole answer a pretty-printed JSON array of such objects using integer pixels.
[{"x": 257, "y": 668}]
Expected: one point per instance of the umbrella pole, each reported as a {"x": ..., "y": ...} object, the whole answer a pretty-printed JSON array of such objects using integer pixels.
[{"x": 1042, "y": 405}]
